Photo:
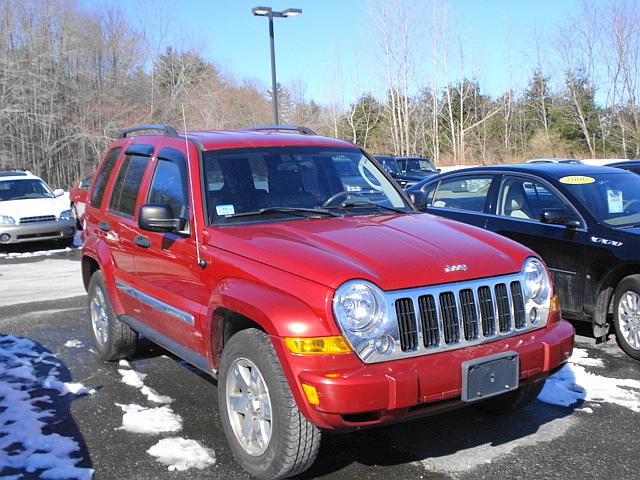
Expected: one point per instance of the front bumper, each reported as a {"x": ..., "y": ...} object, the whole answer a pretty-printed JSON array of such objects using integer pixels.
[
  {"x": 352, "y": 394},
  {"x": 33, "y": 232}
]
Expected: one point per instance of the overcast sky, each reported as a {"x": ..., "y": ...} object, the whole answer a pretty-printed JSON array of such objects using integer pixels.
[{"x": 497, "y": 37}]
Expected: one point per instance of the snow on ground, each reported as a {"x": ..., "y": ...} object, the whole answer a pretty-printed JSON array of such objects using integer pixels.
[
  {"x": 136, "y": 380},
  {"x": 139, "y": 419},
  {"x": 73, "y": 344},
  {"x": 572, "y": 383},
  {"x": 26, "y": 441},
  {"x": 43, "y": 280},
  {"x": 179, "y": 453}
]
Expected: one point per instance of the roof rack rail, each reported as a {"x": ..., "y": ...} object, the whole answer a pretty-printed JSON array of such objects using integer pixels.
[
  {"x": 166, "y": 130},
  {"x": 283, "y": 128}
]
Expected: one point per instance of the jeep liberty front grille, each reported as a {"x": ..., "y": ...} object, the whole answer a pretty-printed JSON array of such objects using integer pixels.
[{"x": 453, "y": 315}]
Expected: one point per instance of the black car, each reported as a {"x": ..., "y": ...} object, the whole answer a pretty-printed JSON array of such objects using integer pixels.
[
  {"x": 631, "y": 165},
  {"x": 583, "y": 220},
  {"x": 407, "y": 171}
]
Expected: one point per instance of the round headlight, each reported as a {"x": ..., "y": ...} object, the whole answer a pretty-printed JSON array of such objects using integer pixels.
[
  {"x": 358, "y": 306},
  {"x": 536, "y": 281}
]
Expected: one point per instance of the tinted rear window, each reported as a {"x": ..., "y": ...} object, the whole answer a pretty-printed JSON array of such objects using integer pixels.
[
  {"x": 103, "y": 177},
  {"x": 125, "y": 190}
]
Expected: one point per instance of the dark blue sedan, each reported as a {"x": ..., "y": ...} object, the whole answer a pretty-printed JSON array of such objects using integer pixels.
[{"x": 583, "y": 220}]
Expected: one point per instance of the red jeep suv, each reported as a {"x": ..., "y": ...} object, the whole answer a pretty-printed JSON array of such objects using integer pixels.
[{"x": 292, "y": 268}]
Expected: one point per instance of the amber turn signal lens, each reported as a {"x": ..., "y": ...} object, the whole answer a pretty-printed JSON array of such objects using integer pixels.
[
  {"x": 311, "y": 393},
  {"x": 555, "y": 304},
  {"x": 317, "y": 345}
]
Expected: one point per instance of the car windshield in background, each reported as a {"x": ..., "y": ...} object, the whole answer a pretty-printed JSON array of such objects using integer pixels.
[
  {"x": 21, "y": 189},
  {"x": 278, "y": 183},
  {"x": 416, "y": 166},
  {"x": 612, "y": 198}
]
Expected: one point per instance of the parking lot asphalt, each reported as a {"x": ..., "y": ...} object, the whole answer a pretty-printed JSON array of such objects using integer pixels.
[{"x": 590, "y": 439}]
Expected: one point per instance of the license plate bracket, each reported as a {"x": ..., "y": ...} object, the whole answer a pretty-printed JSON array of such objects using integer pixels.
[{"x": 489, "y": 376}]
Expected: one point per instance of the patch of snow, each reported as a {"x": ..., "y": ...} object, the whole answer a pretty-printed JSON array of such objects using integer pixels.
[
  {"x": 133, "y": 378},
  {"x": 580, "y": 356},
  {"x": 572, "y": 383},
  {"x": 181, "y": 454},
  {"x": 585, "y": 410},
  {"x": 124, "y": 363},
  {"x": 73, "y": 344},
  {"x": 38, "y": 253},
  {"x": 64, "y": 388},
  {"x": 154, "y": 396},
  {"x": 23, "y": 424},
  {"x": 139, "y": 419}
]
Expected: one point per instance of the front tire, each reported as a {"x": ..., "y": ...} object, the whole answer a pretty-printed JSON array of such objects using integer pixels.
[
  {"x": 512, "y": 401},
  {"x": 267, "y": 433},
  {"x": 113, "y": 339},
  {"x": 626, "y": 315}
]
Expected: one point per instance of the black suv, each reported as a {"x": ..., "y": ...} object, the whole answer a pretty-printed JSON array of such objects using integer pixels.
[
  {"x": 584, "y": 221},
  {"x": 407, "y": 171}
]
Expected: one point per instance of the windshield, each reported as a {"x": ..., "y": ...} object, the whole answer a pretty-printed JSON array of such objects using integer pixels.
[
  {"x": 288, "y": 182},
  {"x": 416, "y": 166},
  {"x": 612, "y": 198},
  {"x": 21, "y": 189}
]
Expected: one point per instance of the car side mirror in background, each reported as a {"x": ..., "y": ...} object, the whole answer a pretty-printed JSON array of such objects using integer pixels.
[
  {"x": 58, "y": 192},
  {"x": 558, "y": 216},
  {"x": 158, "y": 217},
  {"x": 419, "y": 200}
]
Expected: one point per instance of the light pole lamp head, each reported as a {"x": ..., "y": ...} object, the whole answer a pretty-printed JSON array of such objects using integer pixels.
[
  {"x": 262, "y": 11},
  {"x": 291, "y": 12}
]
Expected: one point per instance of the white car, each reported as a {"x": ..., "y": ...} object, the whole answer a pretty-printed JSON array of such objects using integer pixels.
[{"x": 30, "y": 211}]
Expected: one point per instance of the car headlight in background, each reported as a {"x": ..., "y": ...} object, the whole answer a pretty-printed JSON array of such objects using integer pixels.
[
  {"x": 537, "y": 291},
  {"x": 361, "y": 311},
  {"x": 67, "y": 215},
  {"x": 7, "y": 220}
]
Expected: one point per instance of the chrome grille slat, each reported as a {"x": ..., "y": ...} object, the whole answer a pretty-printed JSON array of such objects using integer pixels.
[
  {"x": 519, "y": 318},
  {"x": 407, "y": 324},
  {"x": 468, "y": 310},
  {"x": 38, "y": 219},
  {"x": 429, "y": 321},
  {"x": 504, "y": 307}
]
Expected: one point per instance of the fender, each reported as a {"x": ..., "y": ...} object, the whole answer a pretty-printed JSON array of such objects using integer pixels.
[
  {"x": 605, "y": 290},
  {"x": 278, "y": 312},
  {"x": 96, "y": 250}
]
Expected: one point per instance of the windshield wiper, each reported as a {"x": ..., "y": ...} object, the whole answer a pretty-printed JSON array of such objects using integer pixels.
[
  {"x": 367, "y": 204},
  {"x": 296, "y": 211}
]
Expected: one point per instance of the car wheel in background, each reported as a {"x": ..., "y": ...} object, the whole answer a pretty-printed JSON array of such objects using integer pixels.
[
  {"x": 113, "y": 339},
  {"x": 626, "y": 315},
  {"x": 266, "y": 432}
]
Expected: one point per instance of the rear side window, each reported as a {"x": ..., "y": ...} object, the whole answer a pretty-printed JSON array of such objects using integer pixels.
[
  {"x": 125, "y": 190},
  {"x": 103, "y": 177},
  {"x": 463, "y": 193},
  {"x": 168, "y": 186}
]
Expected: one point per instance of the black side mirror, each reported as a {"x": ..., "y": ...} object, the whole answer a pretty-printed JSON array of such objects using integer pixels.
[
  {"x": 158, "y": 217},
  {"x": 419, "y": 200},
  {"x": 558, "y": 216}
]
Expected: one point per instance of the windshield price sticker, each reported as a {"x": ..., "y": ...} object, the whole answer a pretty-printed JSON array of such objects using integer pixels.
[
  {"x": 577, "y": 180},
  {"x": 614, "y": 201},
  {"x": 225, "y": 209}
]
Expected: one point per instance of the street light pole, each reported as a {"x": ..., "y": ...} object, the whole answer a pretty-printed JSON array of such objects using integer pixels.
[
  {"x": 269, "y": 12},
  {"x": 274, "y": 84}
]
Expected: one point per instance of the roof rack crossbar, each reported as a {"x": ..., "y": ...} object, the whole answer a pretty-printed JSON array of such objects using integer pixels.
[
  {"x": 166, "y": 130},
  {"x": 283, "y": 128}
]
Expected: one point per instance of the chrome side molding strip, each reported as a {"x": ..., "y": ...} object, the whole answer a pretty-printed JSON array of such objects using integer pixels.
[{"x": 155, "y": 303}]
